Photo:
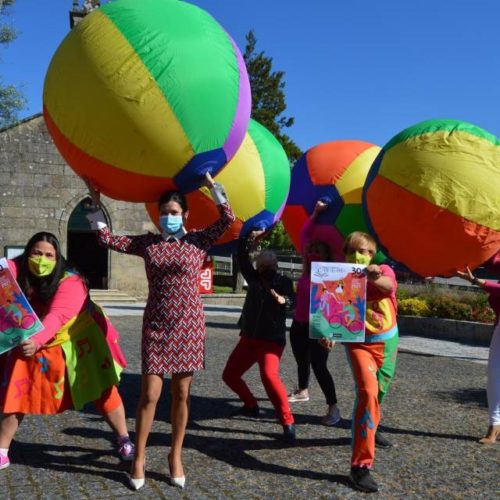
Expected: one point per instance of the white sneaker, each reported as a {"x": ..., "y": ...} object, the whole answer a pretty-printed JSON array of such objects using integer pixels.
[
  {"x": 332, "y": 417},
  {"x": 298, "y": 395}
]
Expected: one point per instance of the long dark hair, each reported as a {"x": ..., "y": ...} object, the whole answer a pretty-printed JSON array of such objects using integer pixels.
[{"x": 46, "y": 286}]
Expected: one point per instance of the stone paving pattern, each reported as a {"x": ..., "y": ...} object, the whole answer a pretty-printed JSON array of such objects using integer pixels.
[{"x": 434, "y": 413}]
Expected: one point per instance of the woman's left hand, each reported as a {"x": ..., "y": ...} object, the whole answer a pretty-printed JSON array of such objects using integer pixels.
[
  {"x": 373, "y": 272},
  {"x": 279, "y": 298},
  {"x": 28, "y": 348},
  {"x": 208, "y": 181}
]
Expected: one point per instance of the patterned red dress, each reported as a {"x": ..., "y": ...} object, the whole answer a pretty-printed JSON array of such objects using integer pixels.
[{"x": 173, "y": 329}]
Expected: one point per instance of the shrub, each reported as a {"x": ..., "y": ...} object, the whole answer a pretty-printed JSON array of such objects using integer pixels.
[
  {"x": 443, "y": 302},
  {"x": 414, "y": 307},
  {"x": 446, "y": 307}
]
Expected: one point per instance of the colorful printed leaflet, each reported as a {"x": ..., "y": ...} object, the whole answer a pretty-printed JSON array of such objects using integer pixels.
[
  {"x": 18, "y": 321},
  {"x": 338, "y": 302}
]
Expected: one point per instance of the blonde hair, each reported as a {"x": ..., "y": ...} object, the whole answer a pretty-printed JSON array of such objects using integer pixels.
[{"x": 357, "y": 237}]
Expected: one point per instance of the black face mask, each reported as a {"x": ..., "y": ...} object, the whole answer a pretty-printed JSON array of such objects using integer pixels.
[{"x": 268, "y": 274}]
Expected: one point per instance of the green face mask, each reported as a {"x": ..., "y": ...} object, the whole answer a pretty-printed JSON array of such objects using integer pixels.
[
  {"x": 41, "y": 266},
  {"x": 358, "y": 258}
]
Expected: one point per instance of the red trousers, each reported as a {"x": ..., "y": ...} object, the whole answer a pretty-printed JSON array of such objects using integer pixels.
[{"x": 267, "y": 355}]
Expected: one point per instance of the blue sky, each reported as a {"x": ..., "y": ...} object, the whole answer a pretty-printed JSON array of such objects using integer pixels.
[{"x": 354, "y": 69}]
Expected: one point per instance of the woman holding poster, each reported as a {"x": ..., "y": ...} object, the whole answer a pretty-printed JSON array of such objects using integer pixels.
[
  {"x": 73, "y": 360},
  {"x": 373, "y": 361}
]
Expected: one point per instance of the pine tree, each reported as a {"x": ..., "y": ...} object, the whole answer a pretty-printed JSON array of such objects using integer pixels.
[
  {"x": 268, "y": 96},
  {"x": 11, "y": 100}
]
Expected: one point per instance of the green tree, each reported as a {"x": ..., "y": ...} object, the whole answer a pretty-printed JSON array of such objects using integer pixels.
[
  {"x": 277, "y": 239},
  {"x": 11, "y": 100},
  {"x": 268, "y": 96}
]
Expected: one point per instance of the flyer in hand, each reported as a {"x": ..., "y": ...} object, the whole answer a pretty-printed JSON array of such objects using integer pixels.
[
  {"x": 18, "y": 321},
  {"x": 338, "y": 301}
]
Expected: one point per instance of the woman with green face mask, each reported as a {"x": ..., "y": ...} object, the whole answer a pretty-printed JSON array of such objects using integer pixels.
[
  {"x": 62, "y": 366},
  {"x": 375, "y": 356}
]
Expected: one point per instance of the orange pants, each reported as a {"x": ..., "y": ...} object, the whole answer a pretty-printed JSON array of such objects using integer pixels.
[
  {"x": 373, "y": 366},
  {"x": 109, "y": 401}
]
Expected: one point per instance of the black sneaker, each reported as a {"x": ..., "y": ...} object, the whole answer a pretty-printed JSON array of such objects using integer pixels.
[
  {"x": 381, "y": 441},
  {"x": 362, "y": 480},
  {"x": 289, "y": 433},
  {"x": 246, "y": 411}
]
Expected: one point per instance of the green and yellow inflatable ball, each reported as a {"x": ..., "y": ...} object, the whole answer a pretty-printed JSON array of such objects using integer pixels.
[{"x": 147, "y": 95}]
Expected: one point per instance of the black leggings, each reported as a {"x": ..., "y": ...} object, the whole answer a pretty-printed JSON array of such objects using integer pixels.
[{"x": 307, "y": 353}]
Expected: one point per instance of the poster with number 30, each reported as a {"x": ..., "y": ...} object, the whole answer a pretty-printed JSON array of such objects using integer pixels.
[
  {"x": 18, "y": 321},
  {"x": 338, "y": 302}
]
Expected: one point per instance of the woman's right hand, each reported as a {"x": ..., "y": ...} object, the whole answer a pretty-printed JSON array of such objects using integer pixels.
[
  {"x": 326, "y": 344},
  {"x": 28, "y": 348},
  {"x": 93, "y": 192},
  {"x": 319, "y": 208}
]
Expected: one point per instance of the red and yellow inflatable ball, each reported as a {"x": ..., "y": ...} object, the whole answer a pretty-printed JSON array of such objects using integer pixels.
[
  {"x": 256, "y": 181},
  {"x": 144, "y": 96},
  {"x": 334, "y": 171},
  {"x": 432, "y": 197}
]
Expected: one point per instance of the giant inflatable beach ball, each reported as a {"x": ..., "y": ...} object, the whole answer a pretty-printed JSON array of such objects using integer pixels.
[
  {"x": 432, "y": 197},
  {"x": 334, "y": 171},
  {"x": 256, "y": 181},
  {"x": 147, "y": 95}
]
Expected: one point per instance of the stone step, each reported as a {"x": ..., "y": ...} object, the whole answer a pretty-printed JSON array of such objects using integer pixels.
[{"x": 105, "y": 296}]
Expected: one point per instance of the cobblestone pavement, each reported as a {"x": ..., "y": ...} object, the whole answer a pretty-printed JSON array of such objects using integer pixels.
[{"x": 435, "y": 411}]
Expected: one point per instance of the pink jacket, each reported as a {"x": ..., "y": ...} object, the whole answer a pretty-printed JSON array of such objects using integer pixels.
[{"x": 68, "y": 301}]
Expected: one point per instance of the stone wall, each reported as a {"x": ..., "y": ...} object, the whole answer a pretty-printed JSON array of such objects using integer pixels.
[
  {"x": 468, "y": 332},
  {"x": 38, "y": 192}
]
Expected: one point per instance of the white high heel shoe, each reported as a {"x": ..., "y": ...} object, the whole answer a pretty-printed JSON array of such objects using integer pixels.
[
  {"x": 180, "y": 481},
  {"x": 137, "y": 484}
]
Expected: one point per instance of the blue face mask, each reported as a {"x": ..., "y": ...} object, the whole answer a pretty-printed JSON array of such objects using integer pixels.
[{"x": 171, "y": 223}]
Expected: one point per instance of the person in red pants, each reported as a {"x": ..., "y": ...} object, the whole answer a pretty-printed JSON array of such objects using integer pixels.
[
  {"x": 373, "y": 362},
  {"x": 262, "y": 337}
]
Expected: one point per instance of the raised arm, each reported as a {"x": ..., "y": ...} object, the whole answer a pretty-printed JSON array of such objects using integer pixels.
[
  {"x": 321, "y": 232},
  {"x": 246, "y": 267},
  {"x": 212, "y": 233}
]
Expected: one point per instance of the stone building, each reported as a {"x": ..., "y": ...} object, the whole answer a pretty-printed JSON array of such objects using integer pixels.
[{"x": 39, "y": 192}]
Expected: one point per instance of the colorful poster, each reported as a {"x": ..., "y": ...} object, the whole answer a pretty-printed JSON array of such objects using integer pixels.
[
  {"x": 338, "y": 301},
  {"x": 18, "y": 321}
]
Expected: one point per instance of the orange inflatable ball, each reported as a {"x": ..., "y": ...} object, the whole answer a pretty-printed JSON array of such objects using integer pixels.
[
  {"x": 432, "y": 197},
  {"x": 334, "y": 172}
]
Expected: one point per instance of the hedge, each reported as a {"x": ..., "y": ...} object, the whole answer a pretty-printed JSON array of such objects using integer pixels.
[{"x": 440, "y": 302}]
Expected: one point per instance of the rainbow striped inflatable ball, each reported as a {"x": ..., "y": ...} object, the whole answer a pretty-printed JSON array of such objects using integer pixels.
[
  {"x": 432, "y": 197},
  {"x": 335, "y": 172},
  {"x": 145, "y": 96},
  {"x": 256, "y": 181}
]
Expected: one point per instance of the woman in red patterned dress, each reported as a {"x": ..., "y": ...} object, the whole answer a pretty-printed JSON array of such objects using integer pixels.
[{"x": 173, "y": 333}]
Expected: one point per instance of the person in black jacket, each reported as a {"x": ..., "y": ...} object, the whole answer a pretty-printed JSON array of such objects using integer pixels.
[{"x": 262, "y": 337}]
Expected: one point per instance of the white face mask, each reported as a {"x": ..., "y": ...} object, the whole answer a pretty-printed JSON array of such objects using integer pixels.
[{"x": 171, "y": 223}]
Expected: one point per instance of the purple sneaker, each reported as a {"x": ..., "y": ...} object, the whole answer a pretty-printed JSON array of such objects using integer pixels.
[
  {"x": 4, "y": 462},
  {"x": 126, "y": 449}
]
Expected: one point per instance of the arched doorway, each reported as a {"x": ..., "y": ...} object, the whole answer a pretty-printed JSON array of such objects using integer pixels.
[{"x": 83, "y": 251}]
